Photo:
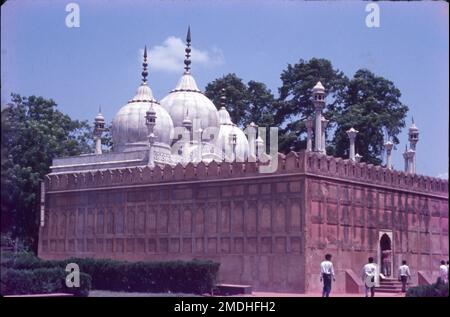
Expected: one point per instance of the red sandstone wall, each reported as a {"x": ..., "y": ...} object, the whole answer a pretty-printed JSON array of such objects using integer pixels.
[
  {"x": 344, "y": 217},
  {"x": 267, "y": 230},
  {"x": 252, "y": 227}
]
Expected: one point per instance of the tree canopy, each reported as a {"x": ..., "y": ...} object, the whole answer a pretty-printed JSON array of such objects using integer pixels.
[
  {"x": 33, "y": 133},
  {"x": 369, "y": 103},
  {"x": 246, "y": 103},
  {"x": 372, "y": 106},
  {"x": 295, "y": 104}
]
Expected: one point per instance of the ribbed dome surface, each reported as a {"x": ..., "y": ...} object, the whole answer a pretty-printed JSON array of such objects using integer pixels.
[
  {"x": 227, "y": 129},
  {"x": 186, "y": 99},
  {"x": 128, "y": 126}
]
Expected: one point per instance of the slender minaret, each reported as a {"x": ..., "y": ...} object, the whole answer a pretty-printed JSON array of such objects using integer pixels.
[
  {"x": 309, "y": 125},
  {"x": 187, "y": 123},
  {"x": 352, "y": 135},
  {"x": 260, "y": 150},
  {"x": 405, "y": 156},
  {"x": 319, "y": 104},
  {"x": 150, "y": 122},
  {"x": 413, "y": 138},
  {"x": 99, "y": 127},
  {"x": 388, "y": 145},
  {"x": 251, "y": 134},
  {"x": 411, "y": 154},
  {"x": 323, "y": 142},
  {"x": 197, "y": 139},
  {"x": 232, "y": 139}
]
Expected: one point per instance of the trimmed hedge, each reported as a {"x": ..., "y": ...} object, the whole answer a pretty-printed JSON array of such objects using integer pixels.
[
  {"x": 195, "y": 277},
  {"x": 41, "y": 281},
  {"x": 438, "y": 289}
]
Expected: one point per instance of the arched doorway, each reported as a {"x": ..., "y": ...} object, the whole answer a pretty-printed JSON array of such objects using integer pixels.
[{"x": 386, "y": 254}]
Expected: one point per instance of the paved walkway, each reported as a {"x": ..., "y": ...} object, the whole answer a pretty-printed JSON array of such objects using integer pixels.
[
  {"x": 96, "y": 293},
  {"x": 270, "y": 294}
]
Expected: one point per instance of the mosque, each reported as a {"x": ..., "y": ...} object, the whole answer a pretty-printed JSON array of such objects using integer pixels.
[{"x": 184, "y": 182}]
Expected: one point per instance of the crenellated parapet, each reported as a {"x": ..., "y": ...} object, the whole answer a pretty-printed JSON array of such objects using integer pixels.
[
  {"x": 303, "y": 163},
  {"x": 146, "y": 175},
  {"x": 318, "y": 164}
]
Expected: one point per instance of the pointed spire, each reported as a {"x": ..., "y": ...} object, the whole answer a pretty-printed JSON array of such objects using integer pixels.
[
  {"x": 187, "y": 59},
  {"x": 99, "y": 116},
  {"x": 144, "y": 64},
  {"x": 413, "y": 125},
  {"x": 187, "y": 123},
  {"x": 188, "y": 36}
]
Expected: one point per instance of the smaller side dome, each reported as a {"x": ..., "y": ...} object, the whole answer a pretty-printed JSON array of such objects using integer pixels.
[
  {"x": 231, "y": 139},
  {"x": 224, "y": 116}
]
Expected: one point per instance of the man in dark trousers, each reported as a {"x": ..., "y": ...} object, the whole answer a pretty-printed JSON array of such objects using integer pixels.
[
  {"x": 326, "y": 274},
  {"x": 404, "y": 274}
]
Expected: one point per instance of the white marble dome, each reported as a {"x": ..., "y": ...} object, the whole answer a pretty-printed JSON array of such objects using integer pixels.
[
  {"x": 187, "y": 99},
  {"x": 129, "y": 131},
  {"x": 227, "y": 128}
]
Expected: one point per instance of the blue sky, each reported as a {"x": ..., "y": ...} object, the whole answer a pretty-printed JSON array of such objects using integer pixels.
[{"x": 98, "y": 63}]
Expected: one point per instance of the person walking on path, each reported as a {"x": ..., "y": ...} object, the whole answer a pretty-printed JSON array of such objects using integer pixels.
[
  {"x": 443, "y": 272},
  {"x": 386, "y": 262},
  {"x": 369, "y": 273},
  {"x": 447, "y": 271},
  {"x": 404, "y": 274},
  {"x": 326, "y": 274}
]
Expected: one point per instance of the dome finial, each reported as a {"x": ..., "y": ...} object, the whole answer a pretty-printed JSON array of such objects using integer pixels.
[
  {"x": 187, "y": 59},
  {"x": 144, "y": 64},
  {"x": 223, "y": 98}
]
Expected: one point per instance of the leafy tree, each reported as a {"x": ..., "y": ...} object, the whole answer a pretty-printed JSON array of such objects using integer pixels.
[
  {"x": 33, "y": 133},
  {"x": 369, "y": 103},
  {"x": 107, "y": 142},
  {"x": 295, "y": 104},
  {"x": 372, "y": 106},
  {"x": 246, "y": 103}
]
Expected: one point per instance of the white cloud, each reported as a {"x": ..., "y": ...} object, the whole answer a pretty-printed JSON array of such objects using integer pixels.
[
  {"x": 443, "y": 175},
  {"x": 169, "y": 56}
]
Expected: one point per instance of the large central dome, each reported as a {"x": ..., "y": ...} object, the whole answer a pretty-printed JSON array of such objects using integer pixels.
[{"x": 186, "y": 101}]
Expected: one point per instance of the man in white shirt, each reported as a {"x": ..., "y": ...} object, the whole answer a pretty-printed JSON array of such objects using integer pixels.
[
  {"x": 443, "y": 272},
  {"x": 369, "y": 273},
  {"x": 404, "y": 274},
  {"x": 447, "y": 271},
  {"x": 326, "y": 274}
]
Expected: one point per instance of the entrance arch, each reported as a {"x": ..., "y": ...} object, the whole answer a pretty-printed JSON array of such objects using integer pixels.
[
  {"x": 385, "y": 253},
  {"x": 385, "y": 242}
]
